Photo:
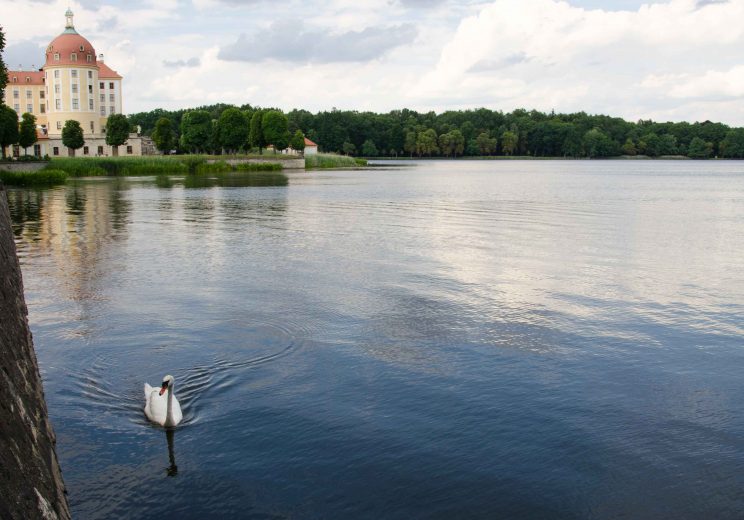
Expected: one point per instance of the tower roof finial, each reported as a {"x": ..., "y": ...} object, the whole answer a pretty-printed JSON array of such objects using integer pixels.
[{"x": 69, "y": 26}]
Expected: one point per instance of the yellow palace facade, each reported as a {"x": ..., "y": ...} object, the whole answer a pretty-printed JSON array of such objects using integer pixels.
[{"x": 74, "y": 83}]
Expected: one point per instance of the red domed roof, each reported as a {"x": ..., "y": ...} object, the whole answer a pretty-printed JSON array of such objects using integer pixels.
[{"x": 69, "y": 48}]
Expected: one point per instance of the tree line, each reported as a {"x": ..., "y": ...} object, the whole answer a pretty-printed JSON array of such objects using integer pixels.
[{"x": 479, "y": 132}]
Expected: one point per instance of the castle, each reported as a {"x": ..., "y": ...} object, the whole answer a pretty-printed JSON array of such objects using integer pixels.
[{"x": 74, "y": 83}]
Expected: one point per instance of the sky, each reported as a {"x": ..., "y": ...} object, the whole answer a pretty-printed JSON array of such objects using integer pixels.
[{"x": 666, "y": 60}]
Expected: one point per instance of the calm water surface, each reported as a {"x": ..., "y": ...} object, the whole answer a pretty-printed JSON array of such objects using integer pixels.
[{"x": 443, "y": 340}]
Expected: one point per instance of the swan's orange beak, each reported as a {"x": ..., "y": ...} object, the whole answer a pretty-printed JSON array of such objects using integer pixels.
[{"x": 163, "y": 388}]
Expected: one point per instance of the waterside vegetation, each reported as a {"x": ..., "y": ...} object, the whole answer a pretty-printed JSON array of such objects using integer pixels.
[{"x": 45, "y": 177}]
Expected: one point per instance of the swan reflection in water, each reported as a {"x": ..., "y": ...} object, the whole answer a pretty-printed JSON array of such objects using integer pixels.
[{"x": 172, "y": 470}]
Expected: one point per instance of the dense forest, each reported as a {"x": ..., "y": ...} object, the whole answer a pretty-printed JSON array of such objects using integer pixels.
[{"x": 479, "y": 132}]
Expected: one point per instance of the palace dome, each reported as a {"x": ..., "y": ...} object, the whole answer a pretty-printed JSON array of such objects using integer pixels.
[{"x": 69, "y": 48}]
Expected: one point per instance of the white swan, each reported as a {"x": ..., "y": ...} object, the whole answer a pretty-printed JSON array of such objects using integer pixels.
[{"x": 164, "y": 411}]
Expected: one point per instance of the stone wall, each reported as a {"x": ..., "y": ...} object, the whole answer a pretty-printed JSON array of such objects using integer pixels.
[{"x": 31, "y": 484}]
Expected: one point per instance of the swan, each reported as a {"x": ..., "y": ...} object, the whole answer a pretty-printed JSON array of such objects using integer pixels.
[{"x": 164, "y": 411}]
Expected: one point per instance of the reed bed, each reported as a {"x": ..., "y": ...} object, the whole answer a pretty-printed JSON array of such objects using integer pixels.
[
  {"x": 329, "y": 160},
  {"x": 46, "y": 177}
]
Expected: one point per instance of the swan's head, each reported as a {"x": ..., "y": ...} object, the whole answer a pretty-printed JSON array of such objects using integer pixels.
[{"x": 167, "y": 383}]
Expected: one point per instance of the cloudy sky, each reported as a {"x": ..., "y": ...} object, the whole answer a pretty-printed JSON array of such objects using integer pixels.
[{"x": 665, "y": 60}]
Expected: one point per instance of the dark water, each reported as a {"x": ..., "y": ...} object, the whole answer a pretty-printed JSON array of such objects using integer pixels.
[{"x": 451, "y": 340}]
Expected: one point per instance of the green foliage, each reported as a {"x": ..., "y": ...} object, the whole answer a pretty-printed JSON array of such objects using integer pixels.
[
  {"x": 297, "y": 142},
  {"x": 599, "y": 144},
  {"x": 486, "y": 145},
  {"x": 196, "y": 131},
  {"x": 232, "y": 130},
  {"x": 27, "y": 131},
  {"x": 733, "y": 144},
  {"x": 3, "y": 68},
  {"x": 192, "y": 162},
  {"x": 72, "y": 135},
  {"x": 426, "y": 143},
  {"x": 369, "y": 149},
  {"x": 256, "y": 137},
  {"x": 101, "y": 166},
  {"x": 8, "y": 127},
  {"x": 275, "y": 129},
  {"x": 117, "y": 130},
  {"x": 509, "y": 141},
  {"x": 327, "y": 160},
  {"x": 349, "y": 148},
  {"x": 215, "y": 167},
  {"x": 258, "y": 167},
  {"x": 629, "y": 148},
  {"x": 46, "y": 177},
  {"x": 163, "y": 135},
  {"x": 699, "y": 149}
]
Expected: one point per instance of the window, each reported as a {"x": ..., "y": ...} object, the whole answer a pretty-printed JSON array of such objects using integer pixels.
[
  {"x": 56, "y": 73},
  {"x": 111, "y": 85},
  {"x": 75, "y": 103},
  {"x": 90, "y": 89},
  {"x": 15, "y": 79},
  {"x": 56, "y": 57},
  {"x": 100, "y": 150},
  {"x": 42, "y": 94},
  {"x": 28, "y": 80},
  {"x": 74, "y": 88},
  {"x": 29, "y": 95},
  {"x": 85, "y": 150},
  {"x": 101, "y": 85},
  {"x": 59, "y": 125},
  {"x": 82, "y": 48},
  {"x": 30, "y": 108},
  {"x": 17, "y": 108},
  {"x": 92, "y": 127},
  {"x": 42, "y": 108},
  {"x": 73, "y": 57},
  {"x": 90, "y": 72},
  {"x": 37, "y": 150},
  {"x": 55, "y": 150},
  {"x": 111, "y": 97},
  {"x": 103, "y": 110},
  {"x": 90, "y": 106},
  {"x": 129, "y": 150},
  {"x": 89, "y": 58},
  {"x": 16, "y": 94},
  {"x": 58, "y": 104},
  {"x": 111, "y": 110},
  {"x": 73, "y": 73},
  {"x": 56, "y": 88}
]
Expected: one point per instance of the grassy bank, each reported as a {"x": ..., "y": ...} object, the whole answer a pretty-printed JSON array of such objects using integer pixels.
[
  {"x": 328, "y": 160},
  {"x": 46, "y": 177},
  {"x": 155, "y": 165}
]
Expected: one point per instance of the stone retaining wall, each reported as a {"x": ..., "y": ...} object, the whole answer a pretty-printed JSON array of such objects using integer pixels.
[{"x": 31, "y": 484}]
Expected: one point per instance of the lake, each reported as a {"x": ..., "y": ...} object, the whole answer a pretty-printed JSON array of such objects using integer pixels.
[{"x": 444, "y": 339}]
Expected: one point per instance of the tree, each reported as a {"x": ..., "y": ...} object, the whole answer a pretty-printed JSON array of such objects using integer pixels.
[
  {"x": 233, "y": 129},
  {"x": 509, "y": 142},
  {"x": 297, "y": 143},
  {"x": 409, "y": 144},
  {"x": 256, "y": 137},
  {"x": 733, "y": 144},
  {"x": 3, "y": 68},
  {"x": 369, "y": 149},
  {"x": 599, "y": 144},
  {"x": 486, "y": 144},
  {"x": 426, "y": 142},
  {"x": 275, "y": 131},
  {"x": 629, "y": 148},
  {"x": 27, "y": 132},
  {"x": 699, "y": 149},
  {"x": 196, "y": 130},
  {"x": 117, "y": 132},
  {"x": 72, "y": 136},
  {"x": 8, "y": 127},
  {"x": 348, "y": 148},
  {"x": 163, "y": 135}
]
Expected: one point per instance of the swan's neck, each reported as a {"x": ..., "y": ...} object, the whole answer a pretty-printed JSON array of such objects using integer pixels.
[{"x": 169, "y": 408}]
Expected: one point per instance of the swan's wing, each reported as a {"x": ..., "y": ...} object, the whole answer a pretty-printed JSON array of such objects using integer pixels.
[
  {"x": 177, "y": 414},
  {"x": 148, "y": 391},
  {"x": 156, "y": 407}
]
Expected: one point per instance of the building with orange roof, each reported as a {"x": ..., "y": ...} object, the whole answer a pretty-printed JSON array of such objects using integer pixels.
[{"x": 74, "y": 83}]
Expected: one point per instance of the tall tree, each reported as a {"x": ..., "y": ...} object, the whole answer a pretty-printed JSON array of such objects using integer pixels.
[
  {"x": 8, "y": 127},
  {"x": 163, "y": 135},
  {"x": 196, "y": 130},
  {"x": 72, "y": 136},
  {"x": 297, "y": 143},
  {"x": 275, "y": 131},
  {"x": 509, "y": 141},
  {"x": 369, "y": 149},
  {"x": 27, "y": 132},
  {"x": 699, "y": 149},
  {"x": 117, "y": 132},
  {"x": 255, "y": 135},
  {"x": 3, "y": 68},
  {"x": 232, "y": 129}
]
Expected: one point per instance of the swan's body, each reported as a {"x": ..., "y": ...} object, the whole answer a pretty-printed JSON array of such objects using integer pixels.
[{"x": 162, "y": 409}]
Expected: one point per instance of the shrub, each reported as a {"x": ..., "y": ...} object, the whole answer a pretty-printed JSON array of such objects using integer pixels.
[{"x": 45, "y": 177}]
